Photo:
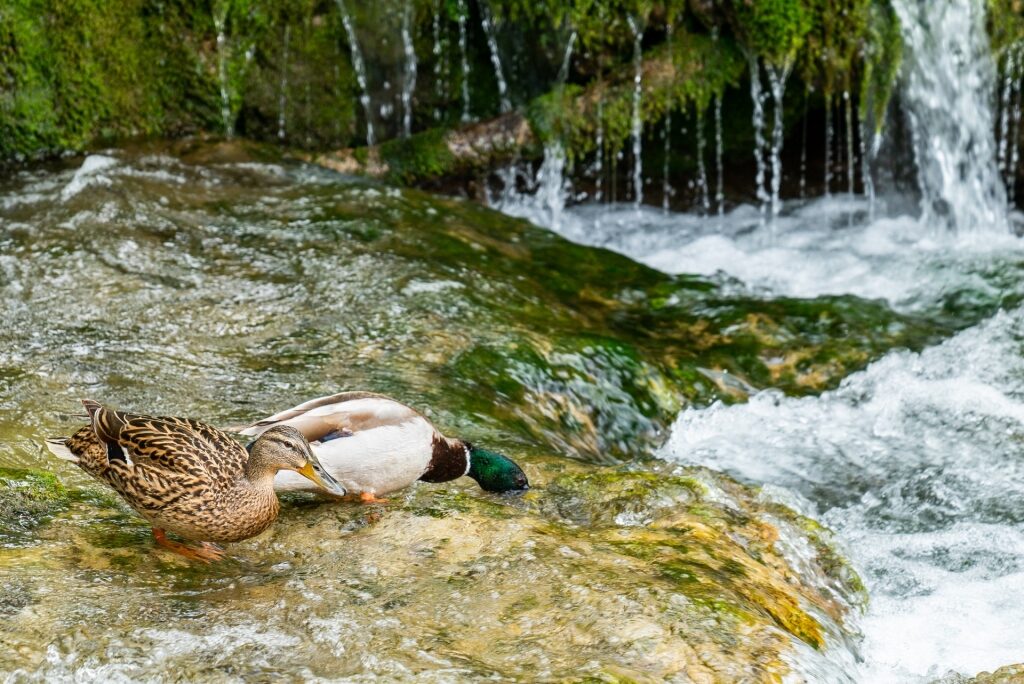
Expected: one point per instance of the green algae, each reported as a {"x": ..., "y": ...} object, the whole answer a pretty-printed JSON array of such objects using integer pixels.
[{"x": 28, "y": 498}]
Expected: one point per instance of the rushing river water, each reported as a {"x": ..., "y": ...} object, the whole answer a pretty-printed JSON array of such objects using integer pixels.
[{"x": 915, "y": 461}]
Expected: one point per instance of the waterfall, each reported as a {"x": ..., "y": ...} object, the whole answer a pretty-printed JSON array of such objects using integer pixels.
[
  {"x": 637, "y": 121},
  {"x": 563, "y": 71},
  {"x": 948, "y": 87},
  {"x": 777, "y": 80},
  {"x": 599, "y": 144},
  {"x": 551, "y": 191},
  {"x": 828, "y": 145},
  {"x": 219, "y": 20},
  {"x": 282, "y": 100},
  {"x": 758, "y": 99},
  {"x": 666, "y": 185},
  {"x": 360, "y": 66},
  {"x": 438, "y": 54},
  {"x": 702, "y": 174},
  {"x": 409, "y": 77},
  {"x": 1005, "y": 98},
  {"x": 849, "y": 142},
  {"x": 719, "y": 173},
  {"x": 463, "y": 15},
  {"x": 492, "y": 45}
]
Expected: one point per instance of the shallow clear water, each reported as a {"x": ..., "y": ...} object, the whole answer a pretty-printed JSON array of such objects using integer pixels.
[
  {"x": 198, "y": 281},
  {"x": 917, "y": 462}
]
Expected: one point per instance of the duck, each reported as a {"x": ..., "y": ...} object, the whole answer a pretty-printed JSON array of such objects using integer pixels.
[
  {"x": 188, "y": 478},
  {"x": 375, "y": 445}
]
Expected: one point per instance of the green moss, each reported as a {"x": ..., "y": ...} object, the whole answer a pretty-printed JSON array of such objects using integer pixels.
[
  {"x": 422, "y": 156},
  {"x": 774, "y": 30},
  {"x": 28, "y": 498}
]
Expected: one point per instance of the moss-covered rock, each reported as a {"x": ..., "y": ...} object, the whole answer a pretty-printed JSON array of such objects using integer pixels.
[
  {"x": 27, "y": 499},
  {"x": 603, "y": 573}
]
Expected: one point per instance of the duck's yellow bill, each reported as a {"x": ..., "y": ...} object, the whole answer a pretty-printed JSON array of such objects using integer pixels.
[{"x": 314, "y": 472}]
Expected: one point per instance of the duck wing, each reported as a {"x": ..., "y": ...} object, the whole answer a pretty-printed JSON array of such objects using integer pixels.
[
  {"x": 173, "y": 446},
  {"x": 338, "y": 415}
]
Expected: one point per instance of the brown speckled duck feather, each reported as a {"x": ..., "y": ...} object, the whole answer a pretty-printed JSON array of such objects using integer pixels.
[{"x": 187, "y": 477}]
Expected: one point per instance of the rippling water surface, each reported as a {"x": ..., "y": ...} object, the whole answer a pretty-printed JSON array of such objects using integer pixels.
[{"x": 198, "y": 281}]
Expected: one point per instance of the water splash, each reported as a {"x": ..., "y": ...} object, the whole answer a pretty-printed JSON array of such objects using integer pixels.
[
  {"x": 360, "y": 67},
  {"x": 487, "y": 23},
  {"x": 409, "y": 77},
  {"x": 464, "y": 60},
  {"x": 636, "y": 126},
  {"x": 948, "y": 90}
]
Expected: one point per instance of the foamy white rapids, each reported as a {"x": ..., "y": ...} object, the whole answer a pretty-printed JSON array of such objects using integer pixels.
[
  {"x": 918, "y": 464},
  {"x": 822, "y": 247}
]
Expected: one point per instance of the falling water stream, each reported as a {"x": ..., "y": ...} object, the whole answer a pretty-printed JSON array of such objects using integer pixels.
[
  {"x": 360, "y": 68},
  {"x": 409, "y": 75}
]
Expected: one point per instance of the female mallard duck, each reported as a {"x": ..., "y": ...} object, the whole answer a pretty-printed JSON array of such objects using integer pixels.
[
  {"x": 189, "y": 478},
  {"x": 373, "y": 445}
]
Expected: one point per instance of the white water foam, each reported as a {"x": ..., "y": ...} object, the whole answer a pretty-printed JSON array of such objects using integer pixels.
[
  {"x": 812, "y": 250},
  {"x": 918, "y": 464},
  {"x": 88, "y": 174}
]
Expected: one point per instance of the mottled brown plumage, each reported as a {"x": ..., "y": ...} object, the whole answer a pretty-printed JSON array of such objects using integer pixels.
[{"x": 189, "y": 478}]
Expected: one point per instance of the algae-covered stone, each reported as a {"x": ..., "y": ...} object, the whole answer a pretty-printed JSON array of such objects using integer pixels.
[
  {"x": 604, "y": 573},
  {"x": 27, "y": 498}
]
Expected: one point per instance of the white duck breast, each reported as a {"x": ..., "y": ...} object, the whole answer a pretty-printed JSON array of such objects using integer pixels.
[{"x": 369, "y": 443}]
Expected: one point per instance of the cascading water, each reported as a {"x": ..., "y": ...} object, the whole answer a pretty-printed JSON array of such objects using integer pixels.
[
  {"x": 719, "y": 171},
  {"x": 914, "y": 462},
  {"x": 409, "y": 77},
  {"x": 702, "y": 174},
  {"x": 440, "y": 92},
  {"x": 636, "y": 126},
  {"x": 487, "y": 23},
  {"x": 777, "y": 76},
  {"x": 219, "y": 20},
  {"x": 282, "y": 100},
  {"x": 950, "y": 78},
  {"x": 848, "y": 110},
  {"x": 464, "y": 59},
  {"x": 757, "y": 97},
  {"x": 360, "y": 68}
]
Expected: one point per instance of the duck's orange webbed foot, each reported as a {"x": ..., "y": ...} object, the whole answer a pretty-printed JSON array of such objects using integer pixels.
[
  {"x": 368, "y": 498},
  {"x": 204, "y": 553}
]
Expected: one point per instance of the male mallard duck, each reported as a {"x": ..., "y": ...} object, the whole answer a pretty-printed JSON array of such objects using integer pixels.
[
  {"x": 189, "y": 478},
  {"x": 373, "y": 445}
]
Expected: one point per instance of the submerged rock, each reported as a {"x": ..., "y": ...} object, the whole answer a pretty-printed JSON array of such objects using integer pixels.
[
  {"x": 27, "y": 498},
  {"x": 597, "y": 572}
]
